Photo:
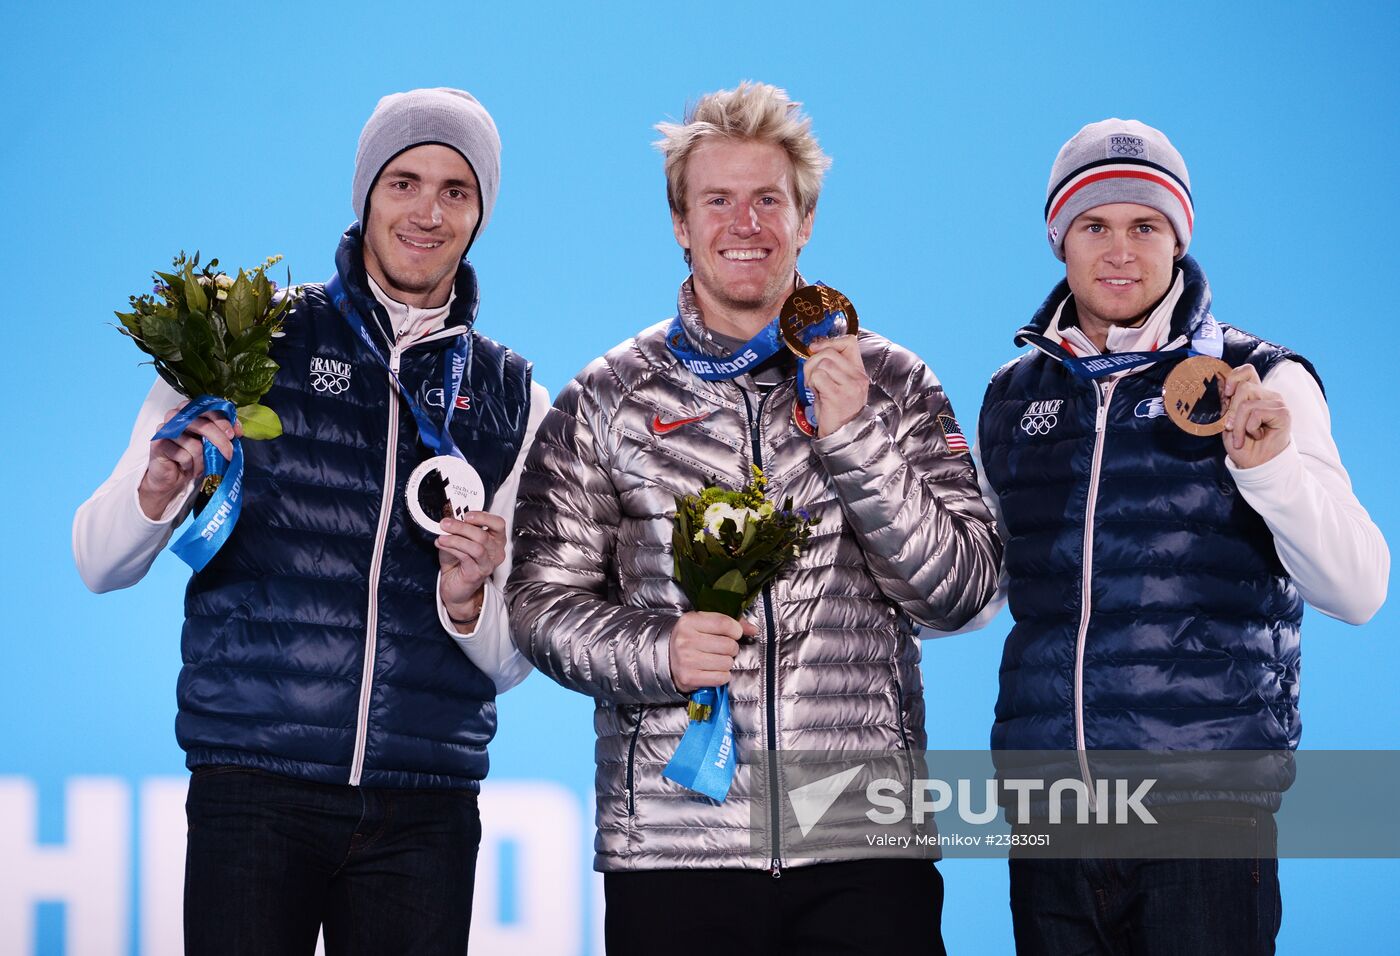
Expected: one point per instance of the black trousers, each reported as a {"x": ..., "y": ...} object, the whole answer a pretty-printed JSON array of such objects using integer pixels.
[
  {"x": 885, "y": 907},
  {"x": 271, "y": 860}
]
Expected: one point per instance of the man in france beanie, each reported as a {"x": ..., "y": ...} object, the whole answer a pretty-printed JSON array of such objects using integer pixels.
[{"x": 1113, "y": 161}]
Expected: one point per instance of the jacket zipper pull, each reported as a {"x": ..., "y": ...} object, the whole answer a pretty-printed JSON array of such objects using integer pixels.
[
  {"x": 777, "y": 870},
  {"x": 1101, "y": 418}
]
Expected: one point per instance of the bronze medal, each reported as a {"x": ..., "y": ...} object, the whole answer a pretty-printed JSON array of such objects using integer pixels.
[
  {"x": 815, "y": 311},
  {"x": 1194, "y": 395}
]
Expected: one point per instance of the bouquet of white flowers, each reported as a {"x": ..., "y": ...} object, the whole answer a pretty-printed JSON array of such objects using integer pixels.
[{"x": 727, "y": 546}]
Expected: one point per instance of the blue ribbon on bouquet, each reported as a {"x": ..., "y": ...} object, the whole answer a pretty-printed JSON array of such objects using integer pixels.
[
  {"x": 705, "y": 759},
  {"x": 212, "y": 526}
]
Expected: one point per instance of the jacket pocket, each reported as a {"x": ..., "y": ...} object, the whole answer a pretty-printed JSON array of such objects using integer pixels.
[
  {"x": 630, "y": 781},
  {"x": 899, "y": 708}
]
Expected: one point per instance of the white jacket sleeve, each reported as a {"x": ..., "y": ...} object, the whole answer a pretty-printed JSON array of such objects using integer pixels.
[
  {"x": 1326, "y": 540},
  {"x": 489, "y": 644},
  {"x": 114, "y": 543}
]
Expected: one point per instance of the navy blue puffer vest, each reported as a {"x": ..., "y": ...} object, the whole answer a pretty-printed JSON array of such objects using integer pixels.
[
  {"x": 312, "y": 646},
  {"x": 1190, "y": 641}
]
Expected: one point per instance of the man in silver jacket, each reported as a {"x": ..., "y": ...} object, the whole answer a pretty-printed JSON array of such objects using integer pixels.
[{"x": 828, "y": 660}]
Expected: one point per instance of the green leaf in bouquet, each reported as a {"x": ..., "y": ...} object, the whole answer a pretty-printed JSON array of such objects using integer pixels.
[
  {"x": 195, "y": 298},
  {"x": 240, "y": 308},
  {"x": 174, "y": 285},
  {"x": 688, "y": 576},
  {"x": 173, "y": 379},
  {"x": 200, "y": 378},
  {"x": 750, "y": 532},
  {"x": 721, "y": 601},
  {"x": 715, "y": 549},
  {"x": 733, "y": 580},
  {"x": 252, "y": 376},
  {"x": 262, "y": 292},
  {"x": 259, "y": 422},
  {"x": 131, "y": 323},
  {"x": 224, "y": 383},
  {"x": 198, "y": 335},
  {"x": 762, "y": 549},
  {"x": 257, "y": 339},
  {"x": 160, "y": 335}
]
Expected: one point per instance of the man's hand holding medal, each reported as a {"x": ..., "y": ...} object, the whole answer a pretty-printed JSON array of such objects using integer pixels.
[
  {"x": 470, "y": 549},
  {"x": 818, "y": 325},
  {"x": 446, "y": 498},
  {"x": 1204, "y": 396},
  {"x": 836, "y": 376}
]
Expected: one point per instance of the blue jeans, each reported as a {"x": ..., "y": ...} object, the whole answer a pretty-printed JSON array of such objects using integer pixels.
[
  {"x": 272, "y": 860},
  {"x": 1157, "y": 907}
]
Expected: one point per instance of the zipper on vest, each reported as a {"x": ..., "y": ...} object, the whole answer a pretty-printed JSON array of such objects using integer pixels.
[
  {"x": 770, "y": 657},
  {"x": 386, "y": 508},
  {"x": 1103, "y": 394}
]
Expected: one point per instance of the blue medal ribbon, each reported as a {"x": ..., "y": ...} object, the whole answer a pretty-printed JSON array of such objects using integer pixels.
[
  {"x": 706, "y": 757},
  {"x": 214, "y": 523},
  {"x": 750, "y": 355},
  {"x": 454, "y": 365},
  {"x": 1206, "y": 340}
]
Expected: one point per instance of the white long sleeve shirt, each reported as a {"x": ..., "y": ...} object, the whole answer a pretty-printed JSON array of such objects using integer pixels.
[
  {"x": 115, "y": 543},
  {"x": 1324, "y": 538}
]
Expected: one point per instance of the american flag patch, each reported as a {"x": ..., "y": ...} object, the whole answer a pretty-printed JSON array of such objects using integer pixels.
[{"x": 953, "y": 433}]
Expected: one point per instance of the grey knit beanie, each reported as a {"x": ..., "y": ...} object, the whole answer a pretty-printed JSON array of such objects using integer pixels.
[
  {"x": 450, "y": 117},
  {"x": 1118, "y": 160}
]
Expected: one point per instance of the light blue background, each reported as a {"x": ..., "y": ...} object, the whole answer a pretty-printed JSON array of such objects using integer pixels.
[{"x": 128, "y": 136}]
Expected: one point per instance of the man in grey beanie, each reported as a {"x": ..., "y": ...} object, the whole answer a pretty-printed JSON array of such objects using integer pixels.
[
  {"x": 343, "y": 650},
  {"x": 1156, "y": 569}
]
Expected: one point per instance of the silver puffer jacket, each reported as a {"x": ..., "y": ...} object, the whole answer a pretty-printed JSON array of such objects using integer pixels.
[{"x": 903, "y": 537}]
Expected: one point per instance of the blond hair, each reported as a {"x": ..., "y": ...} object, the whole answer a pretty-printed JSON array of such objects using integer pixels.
[{"x": 751, "y": 111}]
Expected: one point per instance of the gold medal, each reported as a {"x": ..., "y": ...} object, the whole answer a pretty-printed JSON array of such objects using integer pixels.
[
  {"x": 1194, "y": 395},
  {"x": 815, "y": 311}
]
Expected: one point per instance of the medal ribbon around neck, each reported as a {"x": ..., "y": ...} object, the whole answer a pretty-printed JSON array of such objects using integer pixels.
[
  {"x": 214, "y": 523},
  {"x": 438, "y": 439},
  {"x": 1206, "y": 340},
  {"x": 763, "y": 346}
]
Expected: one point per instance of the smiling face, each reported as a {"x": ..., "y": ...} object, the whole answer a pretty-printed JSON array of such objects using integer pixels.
[
  {"x": 1119, "y": 261},
  {"x": 423, "y": 211},
  {"x": 743, "y": 228}
]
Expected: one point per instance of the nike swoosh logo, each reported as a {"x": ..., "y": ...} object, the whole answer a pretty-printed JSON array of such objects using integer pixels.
[{"x": 660, "y": 427}]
